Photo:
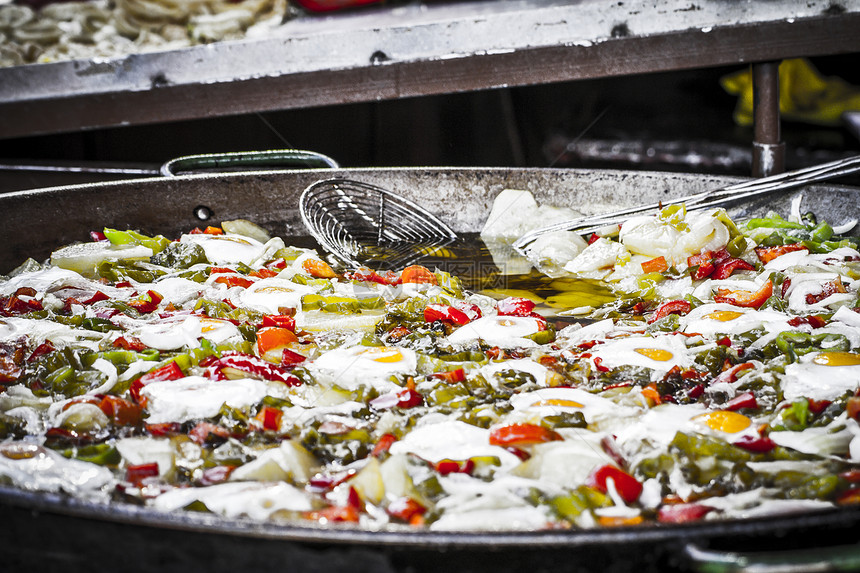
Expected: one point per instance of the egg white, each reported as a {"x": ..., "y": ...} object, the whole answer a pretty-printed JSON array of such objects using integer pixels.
[
  {"x": 351, "y": 368},
  {"x": 809, "y": 379},
  {"x": 272, "y": 294},
  {"x": 719, "y": 318},
  {"x": 226, "y": 248},
  {"x": 185, "y": 330},
  {"x": 633, "y": 350},
  {"x": 502, "y": 331}
]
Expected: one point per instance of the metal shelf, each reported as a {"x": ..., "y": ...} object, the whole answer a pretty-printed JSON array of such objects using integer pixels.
[{"x": 415, "y": 50}]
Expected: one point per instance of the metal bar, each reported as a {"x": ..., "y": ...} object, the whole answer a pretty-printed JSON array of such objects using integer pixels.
[
  {"x": 768, "y": 148},
  {"x": 456, "y": 47}
]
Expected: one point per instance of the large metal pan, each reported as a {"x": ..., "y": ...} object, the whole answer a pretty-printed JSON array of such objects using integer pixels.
[{"x": 52, "y": 532}]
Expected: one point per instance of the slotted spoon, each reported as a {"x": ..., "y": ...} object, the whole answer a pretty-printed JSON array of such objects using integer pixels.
[
  {"x": 365, "y": 225},
  {"x": 706, "y": 199}
]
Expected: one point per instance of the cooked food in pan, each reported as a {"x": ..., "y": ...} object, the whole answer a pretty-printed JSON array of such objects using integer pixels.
[{"x": 682, "y": 367}]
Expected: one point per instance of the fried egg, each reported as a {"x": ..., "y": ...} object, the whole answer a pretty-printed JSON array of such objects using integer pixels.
[
  {"x": 659, "y": 354},
  {"x": 272, "y": 294},
  {"x": 350, "y": 368},
  {"x": 555, "y": 401},
  {"x": 195, "y": 397},
  {"x": 822, "y": 376},
  {"x": 539, "y": 371},
  {"x": 717, "y": 318},
  {"x": 452, "y": 440},
  {"x": 178, "y": 290},
  {"x": 223, "y": 249},
  {"x": 503, "y": 331},
  {"x": 185, "y": 330}
]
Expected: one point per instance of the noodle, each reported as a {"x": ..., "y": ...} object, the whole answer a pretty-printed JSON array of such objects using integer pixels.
[{"x": 102, "y": 28}]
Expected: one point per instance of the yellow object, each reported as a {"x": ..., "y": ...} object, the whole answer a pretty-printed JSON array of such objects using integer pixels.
[
  {"x": 655, "y": 354},
  {"x": 725, "y": 421},
  {"x": 804, "y": 95},
  {"x": 560, "y": 402},
  {"x": 837, "y": 359},
  {"x": 724, "y": 315}
]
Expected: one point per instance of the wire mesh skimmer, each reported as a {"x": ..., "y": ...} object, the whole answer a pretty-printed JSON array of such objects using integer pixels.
[{"x": 366, "y": 225}]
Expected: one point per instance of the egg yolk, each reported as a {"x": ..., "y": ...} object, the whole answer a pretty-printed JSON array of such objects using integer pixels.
[
  {"x": 384, "y": 355},
  {"x": 210, "y": 325},
  {"x": 275, "y": 289},
  {"x": 724, "y": 315},
  {"x": 231, "y": 240},
  {"x": 725, "y": 421},
  {"x": 657, "y": 354},
  {"x": 837, "y": 359},
  {"x": 561, "y": 402}
]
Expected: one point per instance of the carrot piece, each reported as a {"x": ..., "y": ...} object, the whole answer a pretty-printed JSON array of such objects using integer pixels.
[
  {"x": 318, "y": 269},
  {"x": 418, "y": 274},
  {"x": 657, "y": 265}
]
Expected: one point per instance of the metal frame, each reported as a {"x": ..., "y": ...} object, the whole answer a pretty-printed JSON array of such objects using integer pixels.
[{"x": 415, "y": 50}]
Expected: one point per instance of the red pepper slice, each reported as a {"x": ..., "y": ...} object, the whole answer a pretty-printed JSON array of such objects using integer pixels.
[
  {"x": 725, "y": 269},
  {"x": 598, "y": 363},
  {"x": 404, "y": 398},
  {"x": 627, "y": 486},
  {"x": 270, "y": 418},
  {"x": 745, "y": 400},
  {"x": 814, "y": 321},
  {"x": 45, "y": 348},
  {"x": 137, "y": 473},
  {"x": 263, "y": 273},
  {"x": 130, "y": 343},
  {"x": 682, "y": 512},
  {"x": 760, "y": 445},
  {"x": 449, "y": 314},
  {"x": 731, "y": 375},
  {"x": 216, "y": 475},
  {"x": 120, "y": 411},
  {"x": 164, "y": 429},
  {"x": 681, "y": 307},
  {"x": 522, "y": 435},
  {"x": 234, "y": 281},
  {"x": 702, "y": 265},
  {"x": 451, "y": 376},
  {"x": 248, "y": 364},
  {"x": 208, "y": 433},
  {"x": 745, "y": 298},
  {"x": 516, "y": 306},
  {"x": 367, "y": 275},
  {"x": 767, "y": 254},
  {"x": 405, "y": 509},
  {"x": 445, "y": 467},
  {"x": 146, "y": 303},
  {"x": 332, "y": 5},
  {"x": 383, "y": 445},
  {"x": 290, "y": 358},
  {"x": 279, "y": 320},
  {"x": 170, "y": 371}
]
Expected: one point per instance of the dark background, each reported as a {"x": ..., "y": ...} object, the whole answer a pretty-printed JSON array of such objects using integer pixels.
[{"x": 668, "y": 121}]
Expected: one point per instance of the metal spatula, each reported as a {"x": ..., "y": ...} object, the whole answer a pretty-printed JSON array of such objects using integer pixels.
[
  {"x": 366, "y": 225},
  {"x": 712, "y": 198}
]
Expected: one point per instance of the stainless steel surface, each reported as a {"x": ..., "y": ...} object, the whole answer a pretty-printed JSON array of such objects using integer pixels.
[
  {"x": 52, "y": 532},
  {"x": 724, "y": 197},
  {"x": 418, "y": 49}
]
